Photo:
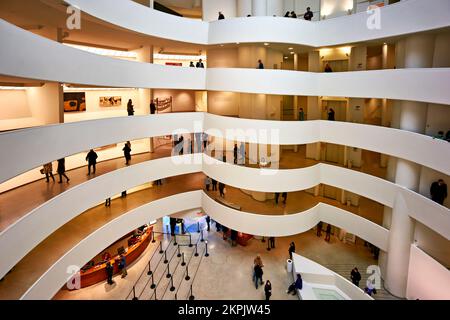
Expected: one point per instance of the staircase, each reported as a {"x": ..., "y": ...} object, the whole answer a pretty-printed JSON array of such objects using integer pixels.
[{"x": 345, "y": 270}]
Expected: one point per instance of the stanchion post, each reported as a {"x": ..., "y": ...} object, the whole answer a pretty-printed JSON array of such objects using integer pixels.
[
  {"x": 191, "y": 297},
  {"x": 263, "y": 240},
  {"x": 206, "y": 253},
  {"x": 268, "y": 245},
  {"x": 196, "y": 252},
  {"x": 187, "y": 278},
  {"x": 153, "y": 236},
  {"x": 168, "y": 275},
  {"x": 153, "y": 285},
  {"x": 201, "y": 235},
  {"x": 179, "y": 252},
  {"x": 182, "y": 260},
  {"x": 198, "y": 226},
  {"x": 175, "y": 239},
  {"x": 134, "y": 294},
  {"x": 160, "y": 247},
  {"x": 172, "y": 288},
  {"x": 150, "y": 272},
  {"x": 155, "y": 293},
  {"x": 190, "y": 241}
]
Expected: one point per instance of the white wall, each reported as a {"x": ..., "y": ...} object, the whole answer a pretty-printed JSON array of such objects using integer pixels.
[
  {"x": 432, "y": 243},
  {"x": 46, "y": 103},
  {"x": 27, "y": 154},
  {"x": 402, "y": 18},
  {"x": 223, "y": 103},
  {"x": 335, "y": 8},
  {"x": 182, "y": 101},
  {"x": 427, "y": 279},
  {"x": 13, "y": 104},
  {"x": 438, "y": 119},
  {"x": 48, "y": 60}
]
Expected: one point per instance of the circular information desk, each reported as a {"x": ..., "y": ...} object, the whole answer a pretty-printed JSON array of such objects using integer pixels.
[{"x": 97, "y": 273}]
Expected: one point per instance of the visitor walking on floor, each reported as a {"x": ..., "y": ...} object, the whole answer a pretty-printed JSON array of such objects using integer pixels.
[
  {"x": 331, "y": 114},
  {"x": 355, "y": 276},
  {"x": 200, "y": 64},
  {"x": 130, "y": 108},
  {"x": 272, "y": 242},
  {"x": 258, "y": 275},
  {"x": 260, "y": 64},
  {"x": 284, "y": 195},
  {"x": 62, "y": 170},
  {"x": 108, "y": 202},
  {"x": 277, "y": 196},
  {"x": 291, "y": 249},
  {"x": 109, "y": 272},
  {"x": 48, "y": 171},
  {"x": 153, "y": 105},
  {"x": 268, "y": 290},
  {"x": 123, "y": 265},
  {"x": 319, "y": 229},
  {"x": 221, "y": 16},
  {"x": 308, "y": 14},
  {"x": 208, "y": 223},
  {"x": 235, "y": 153},
  {"x": 127, "y": 152},
  {"x": 91, "y": 158},
  {"x": 214, "y": 184},
  {"x": 297, "y": 285},
  {"x": 301, "y": 115},
  {"x": 328, "y": 233},
  {"x": 438, "y": 191},
  {"x": 222, "y": 189},
  {"x": 207, "y": 183}
]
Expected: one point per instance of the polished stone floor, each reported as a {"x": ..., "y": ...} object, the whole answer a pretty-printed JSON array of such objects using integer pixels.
[
  {"x": 226, "y": 273},
  {"x": 18, "y": 202}
]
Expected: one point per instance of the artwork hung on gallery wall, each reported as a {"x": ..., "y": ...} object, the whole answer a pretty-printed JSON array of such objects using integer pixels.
[
  {"x": 74, "y": 101},
  {"x": 110, "y": 101}
]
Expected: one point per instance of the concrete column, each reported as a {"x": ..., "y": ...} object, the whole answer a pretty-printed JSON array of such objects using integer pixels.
[
  {"x": 418, "y": 53},
  {"x": 441, "y": 58},
  {"x": 47, "y": 102},
  {"x": 145, "y": 54},
  {"x": 259, "y": 7},
  {"x": 275, "y": 7},
  {"x": 244, "y": 8},
  {"x": 313, "y": 111}
]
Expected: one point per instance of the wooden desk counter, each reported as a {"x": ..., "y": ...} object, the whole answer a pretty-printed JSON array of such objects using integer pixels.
[{"x": 98, "y": 274}]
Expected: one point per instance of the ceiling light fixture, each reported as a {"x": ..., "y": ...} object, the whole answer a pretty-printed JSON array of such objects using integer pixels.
[
  {"x": 266, "y": 44},
  {"x": 290, "y": 48}
]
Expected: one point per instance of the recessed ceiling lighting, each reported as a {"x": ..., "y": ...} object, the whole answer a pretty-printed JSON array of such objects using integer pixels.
[
  {"x": 290, "y": 48},
  {"x": 266, "y": 44},
  {"x": 285, "y": 57},
  {"x": 292, "y": 52},
  {"x": 237, "y": 42},
  {"x": 221, "y": 45}
]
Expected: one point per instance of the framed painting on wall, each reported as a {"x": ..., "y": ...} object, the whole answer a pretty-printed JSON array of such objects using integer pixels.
[
  {"x": 74, "y": 101},
  {"x": 110, "y": 101}
]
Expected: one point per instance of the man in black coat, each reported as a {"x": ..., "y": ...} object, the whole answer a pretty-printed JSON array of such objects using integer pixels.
[
  {"x": 153, "y": 106},
  {"x": 355, "y": 276},
  {"x": 109, "y": 272},
  {"x": 91, "y": 158},
  {"x": 438, "y": 191}
]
